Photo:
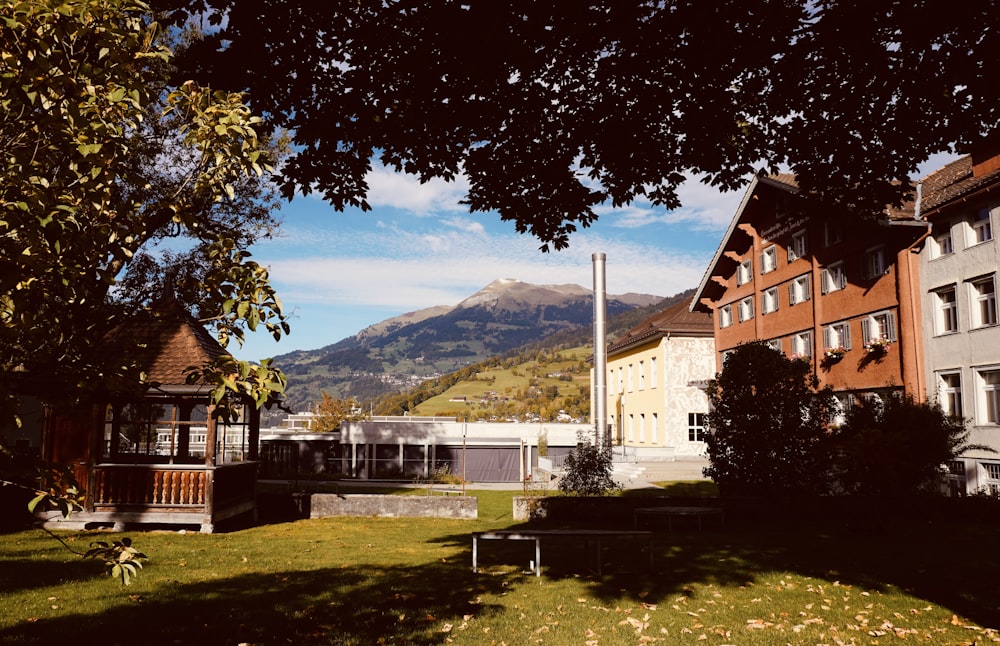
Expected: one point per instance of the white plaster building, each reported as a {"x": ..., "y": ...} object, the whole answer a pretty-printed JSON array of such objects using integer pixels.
[
  {"x": 657, "y": 373},
  {"x": 959, "y": 266}
]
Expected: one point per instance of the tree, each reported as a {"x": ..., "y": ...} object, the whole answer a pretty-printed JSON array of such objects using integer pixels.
[
  {"x": 768, "y": 425},
  {"x": 551, "y": 109},
  {"x": 331, "y": 412},
  {"x": 587, "y": 470},
  {"x": 896, "y": 446},
  {"x": 103, "y": 159}
]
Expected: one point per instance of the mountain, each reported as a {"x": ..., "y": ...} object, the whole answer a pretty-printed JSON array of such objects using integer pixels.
[{"x": 402, "y": 351}]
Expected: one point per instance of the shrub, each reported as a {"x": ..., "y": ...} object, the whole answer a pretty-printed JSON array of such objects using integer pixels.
[
  {"x": 897, "y": 446},
  {"x": 587, "y": 471}
]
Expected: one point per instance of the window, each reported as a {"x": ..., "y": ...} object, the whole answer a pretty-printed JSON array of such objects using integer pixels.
[
  {"x": 943, "y": 245},
  {"x": 873, "y": 263},
  {"x": 654, "y": 428},
  {"x": 947, "y": 311},
  {"x": 950, "y": 393},
  {"x": 774, "y": 344},
  {"x": 652, "y": 372},
  {"x": 989, "y": 396},
  {"x": 797, "y": 248},
  {"x": 832, "y": 233},
  {"x": 982, "y": 228},
  {"x": 768, "y": 259},
  {"x": 725, "y": 316},
  {"x": 802, "y": 345},
  {"x": 696, "y": 427},
  {"x": 642, "y": 427},
  {"x": 642, "y": 375},
  {"x": 798, "y": 290},
  {"x": 621, "y": 382},
  {"x": 746, "y": 309},
  {"x": 992, "y": 477},
  {"x": 744, "y": 272},
  {"x": 878, "y": 327},
  {"x": 837, "y": 336},
  {"x": 984, "y": 306},
  {"x": 956, "y": 478},
  {"x": 834, "y": 278},
  {"x": 631, "y": 373},
  {"x": 611, "y": 382},
  {"x": 769, "y": 301}
]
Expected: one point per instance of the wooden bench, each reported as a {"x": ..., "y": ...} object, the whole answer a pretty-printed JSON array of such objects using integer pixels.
[
  {"x": 671, "y": 512},
  {"x": 596, "y": 535}
]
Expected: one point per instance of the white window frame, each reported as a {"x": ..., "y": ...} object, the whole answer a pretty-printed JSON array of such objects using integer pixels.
[
  {"x": 630, "y": 376},
  {"x": 879, "y": 326},
  {"x": 768, "y": 259},
  {"x": 744, "y": 273},
  {"x": 949, "y": 387},
  {"x": 696, "y": 427},
  {"x": 769, "y": 301},
  {"x": 984, "y": 302},
  {"x": 652, "y": 372},
  {"x": 944, "y": 244},
  {"x": 988, "y": 396},
  {"x": 642, "y": 375},
  {"x": 802, "y": 345},
  {"x": 981, "y": 226},
  {"x": 746, "y": 309},
  {"x": 946, "y": 310},
  {"x": 725, "y": 316},
  {"x": 774, "y": 344},
  {"x": 834, "y": 277},
  {"x": 799, "y": 290},
  {"x": 991, "y": 476},
  {"x": 798, "y": 247},
  {"x": 837, "y": 335},
  {"x": 611, "y": 382},
  {"x": 873, "y": 263}
]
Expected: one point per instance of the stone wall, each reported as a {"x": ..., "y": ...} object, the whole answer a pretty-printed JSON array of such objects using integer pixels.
[{"x": 325, "y": 505}]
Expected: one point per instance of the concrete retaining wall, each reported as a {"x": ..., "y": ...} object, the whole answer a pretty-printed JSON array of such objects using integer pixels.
[{"x": 325, "y": 505}]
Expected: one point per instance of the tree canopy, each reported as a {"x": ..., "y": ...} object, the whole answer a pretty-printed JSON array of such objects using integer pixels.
[
  {"x": 768, "y": 425},
  {"x": 554, "y": 108},
  {"x": 103, "y": 160}
]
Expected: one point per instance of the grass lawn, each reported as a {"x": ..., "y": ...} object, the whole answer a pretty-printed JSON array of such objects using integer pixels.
[{"x": 409, "y": 581}]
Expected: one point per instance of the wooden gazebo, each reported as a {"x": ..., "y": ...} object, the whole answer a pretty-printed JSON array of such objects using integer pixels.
[{"x": 159, "y": 457}]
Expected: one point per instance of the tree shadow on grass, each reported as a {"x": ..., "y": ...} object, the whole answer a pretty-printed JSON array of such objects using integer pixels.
[
  {"x": 365, "y": 604},
  {"x": 950, "y": 564}
]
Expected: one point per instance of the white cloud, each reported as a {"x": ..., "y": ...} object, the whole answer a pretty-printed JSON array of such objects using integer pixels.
[
  {"x": 704, "y": 208},
  {"x": 402, "y": 191}
]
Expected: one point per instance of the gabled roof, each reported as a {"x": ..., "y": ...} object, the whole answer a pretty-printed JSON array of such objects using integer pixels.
[
  {"x": 783, "y": 181},
  {"x": 953, "y": 182},
  {"x": 676, "y": 320}
]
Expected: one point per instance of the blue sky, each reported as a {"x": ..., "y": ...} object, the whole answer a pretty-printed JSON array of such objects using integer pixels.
[{"x": 338, "y": 272}]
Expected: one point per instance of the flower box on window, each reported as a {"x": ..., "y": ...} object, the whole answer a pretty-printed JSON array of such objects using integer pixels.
[
  {"x": 877, "y": 346},
  {"x": 835, "y": 354}
]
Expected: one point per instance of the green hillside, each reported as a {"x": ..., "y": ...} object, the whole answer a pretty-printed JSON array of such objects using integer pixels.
[{"x": 541, "y": 384}]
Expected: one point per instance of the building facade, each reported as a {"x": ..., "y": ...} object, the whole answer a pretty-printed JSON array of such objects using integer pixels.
[
  {"x": 959, "y": 263},
  {"x": 843, "y": 297},
  {"x": 657, "y": 373}
]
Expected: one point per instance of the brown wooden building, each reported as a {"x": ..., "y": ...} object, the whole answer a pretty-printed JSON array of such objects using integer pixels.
[{"x": 845, "y": 298}]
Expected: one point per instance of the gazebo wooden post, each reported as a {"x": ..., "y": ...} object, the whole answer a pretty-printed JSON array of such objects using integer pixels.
[
  {"x": 212, "y": 425},
  {"x": 253, "y": 437}
]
